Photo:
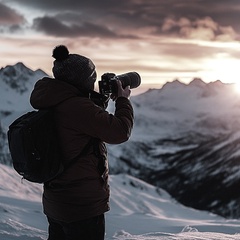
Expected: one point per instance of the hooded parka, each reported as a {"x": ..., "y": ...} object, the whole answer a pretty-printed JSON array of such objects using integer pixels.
[{"x": 82, "y": 190}]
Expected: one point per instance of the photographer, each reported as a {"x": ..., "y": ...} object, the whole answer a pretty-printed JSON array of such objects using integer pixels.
[{"x": 75, "y": 202}]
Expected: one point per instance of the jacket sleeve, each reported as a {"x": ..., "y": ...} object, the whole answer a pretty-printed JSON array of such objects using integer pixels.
[
  {"x": 94, "y": 121},
  {"x": 124, "y": 112}
]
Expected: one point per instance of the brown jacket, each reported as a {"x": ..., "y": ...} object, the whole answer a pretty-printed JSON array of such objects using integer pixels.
[{"x": 82, "y": 191}]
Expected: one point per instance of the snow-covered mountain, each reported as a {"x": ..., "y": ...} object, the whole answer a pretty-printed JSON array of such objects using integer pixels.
[
  {"x": 185, "y": 138},
  {"x": 16, "y": 83},
  {"x": 139, "y": 211}
]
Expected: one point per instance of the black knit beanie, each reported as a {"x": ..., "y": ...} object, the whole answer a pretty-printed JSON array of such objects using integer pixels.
[{"x": 73, "y": 68}]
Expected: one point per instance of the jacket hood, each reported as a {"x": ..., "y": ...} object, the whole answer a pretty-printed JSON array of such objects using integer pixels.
[{"x": 49, "y": 92}]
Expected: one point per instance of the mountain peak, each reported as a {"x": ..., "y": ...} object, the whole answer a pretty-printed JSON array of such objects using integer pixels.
[
  {"x": 198, "y": 82},
  {"x": 217, "y": 83},
  {"x": 19, "y": 77},
  {"x": 16, "y": 70},
  {"x": 20, "y": 64},
  {"x": 174, "y": 84}
]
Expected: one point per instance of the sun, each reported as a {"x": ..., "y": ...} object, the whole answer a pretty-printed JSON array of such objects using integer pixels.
[
  {"x": 237, "y": 87},
  {"x": 226, "y": 70}
]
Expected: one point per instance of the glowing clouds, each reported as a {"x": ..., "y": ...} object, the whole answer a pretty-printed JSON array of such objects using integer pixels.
[{"x": 202, "y": 29}]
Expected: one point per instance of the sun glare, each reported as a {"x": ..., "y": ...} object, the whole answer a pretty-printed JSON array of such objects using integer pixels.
[
  {"x": 237, "y": 87},
  {"x": 224, "y": 69}
]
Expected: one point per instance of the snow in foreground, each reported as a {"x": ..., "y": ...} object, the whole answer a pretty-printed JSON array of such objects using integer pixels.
[{"x": 138, "y": 211}]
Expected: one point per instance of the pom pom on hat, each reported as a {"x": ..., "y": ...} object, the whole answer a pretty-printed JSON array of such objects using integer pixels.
[
  {"x": 73, "y": 68},
  {"x": 60, "y": 53}
]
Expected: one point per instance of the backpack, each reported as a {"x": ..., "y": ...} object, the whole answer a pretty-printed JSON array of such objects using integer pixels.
[{"x": 34, "y": 146}]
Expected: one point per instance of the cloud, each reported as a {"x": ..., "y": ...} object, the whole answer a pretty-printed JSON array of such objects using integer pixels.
[
  {"x": 203, "y": 29},
  {"x": 53, "y": 26},
  {"x": 208, "y": 20},
  {"x": 227, "y": 34},
  {"x": 74, "y": 4},
  {"x": 9, "y": 16}
]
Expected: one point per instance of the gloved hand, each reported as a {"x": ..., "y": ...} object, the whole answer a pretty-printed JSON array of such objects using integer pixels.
[{"x": 121, "y": 92}]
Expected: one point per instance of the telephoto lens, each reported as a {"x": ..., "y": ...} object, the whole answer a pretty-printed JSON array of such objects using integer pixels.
[{"x": 131, "y": 79}]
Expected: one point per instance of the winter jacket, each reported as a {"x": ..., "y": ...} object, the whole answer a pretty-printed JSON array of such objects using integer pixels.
[{"x": 82, "y": 190}]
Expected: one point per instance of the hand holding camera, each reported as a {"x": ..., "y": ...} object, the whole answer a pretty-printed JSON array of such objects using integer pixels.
[{"x": 120, "y": 91}]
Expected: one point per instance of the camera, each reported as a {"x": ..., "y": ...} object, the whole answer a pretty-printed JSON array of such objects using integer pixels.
[{"x": 108, "y": 83}]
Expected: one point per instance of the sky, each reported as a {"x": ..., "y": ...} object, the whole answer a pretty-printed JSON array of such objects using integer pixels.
[{"x": 161, "y": 40}]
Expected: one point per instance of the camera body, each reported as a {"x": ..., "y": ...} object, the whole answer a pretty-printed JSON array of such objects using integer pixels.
[{"x": 108, "y": 83}]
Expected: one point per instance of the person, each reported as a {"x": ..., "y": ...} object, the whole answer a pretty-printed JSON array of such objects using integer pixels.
[{"x": 75, "y": 202}]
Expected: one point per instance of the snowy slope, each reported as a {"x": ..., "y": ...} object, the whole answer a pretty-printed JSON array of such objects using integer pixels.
[
  {"x": 186, "y": 140},
  {"x": 138, "y": 211}
]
